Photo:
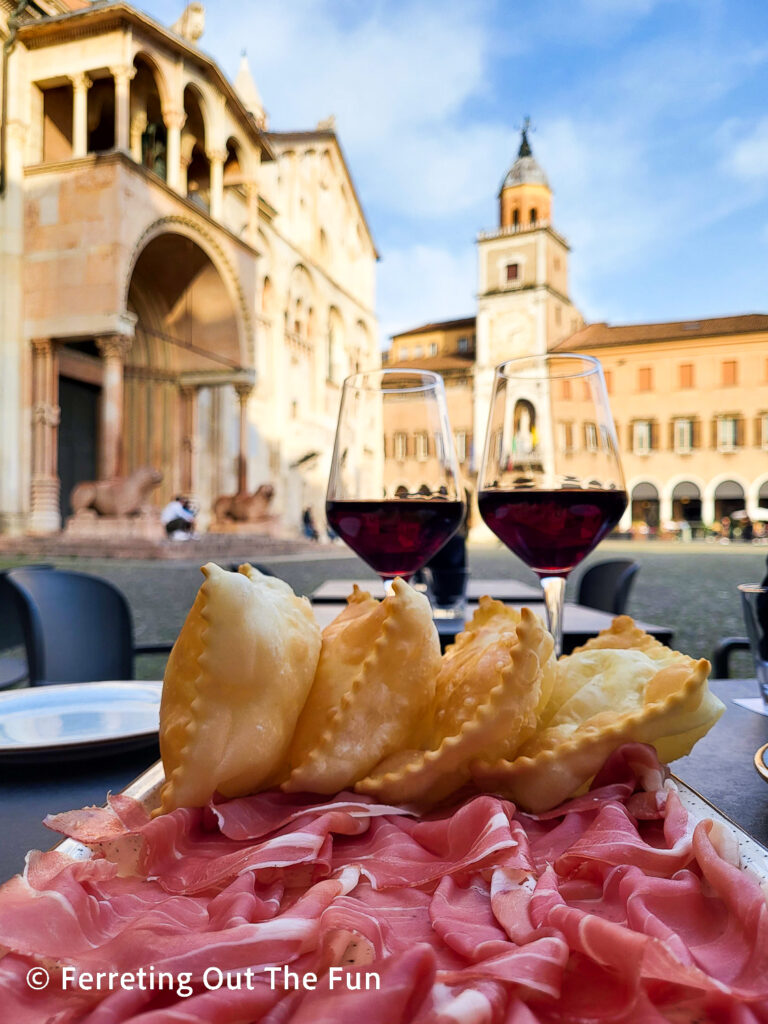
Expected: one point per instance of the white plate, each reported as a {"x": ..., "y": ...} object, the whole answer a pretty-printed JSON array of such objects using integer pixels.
[{"x": 77, "y": 719}]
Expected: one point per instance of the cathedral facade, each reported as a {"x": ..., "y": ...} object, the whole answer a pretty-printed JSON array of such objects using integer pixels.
[
  {"x": 689, "y": 399},
  {"x": 182, "y": 287}
]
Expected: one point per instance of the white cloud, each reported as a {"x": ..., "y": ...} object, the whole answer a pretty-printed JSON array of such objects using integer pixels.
[
  {"x": 422, "y": 283},
  {"x": 747, "y": 153}
]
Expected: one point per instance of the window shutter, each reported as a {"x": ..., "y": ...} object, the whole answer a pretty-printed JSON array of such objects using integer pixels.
[
  {"x": 740, "y": 431},
  {"x": 696, "y": 434},
  {"x": 714, "y": 432},
  {"x": 758, "y": 432},
  {"x": 654, "y": 436},
  {"x": 618, "y": 435},
  {"x": 671, "y": 435}
]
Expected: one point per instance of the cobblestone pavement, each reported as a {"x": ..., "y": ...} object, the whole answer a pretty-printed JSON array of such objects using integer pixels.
[{"x": 690, "y": 587}]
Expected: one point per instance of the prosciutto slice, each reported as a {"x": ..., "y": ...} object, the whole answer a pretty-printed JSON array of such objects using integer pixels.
[{"x": 290, "y": 910}]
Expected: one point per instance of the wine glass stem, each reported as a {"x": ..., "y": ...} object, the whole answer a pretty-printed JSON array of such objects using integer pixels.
[{"x": 554, "y": 598}]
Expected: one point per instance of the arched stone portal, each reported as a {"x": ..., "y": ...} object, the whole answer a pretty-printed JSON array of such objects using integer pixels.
[
  {"x": 186, "y": 341},
  {"x": 645, "y": 504},
  {"x": 686, "y": 502}
]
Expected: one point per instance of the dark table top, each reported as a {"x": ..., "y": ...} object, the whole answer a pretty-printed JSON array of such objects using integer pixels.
[
  {"x": 579, "y": 622},
  {"x": 720, "y": 768},
  {"x": 502, "y": 589}
]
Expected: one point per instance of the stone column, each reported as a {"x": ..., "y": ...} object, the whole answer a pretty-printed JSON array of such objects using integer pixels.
[
  {"x": 81, "y": 83},
  {"x": 45, "y": 514},
  {"x": 122, "y": 76},
  {"x": 138, "y": 127},
  {"x": 252, "y": 199},
  {"x": 114, "y": 349},
  {"x": 244, "y": 391},
  {"x": 174, "y": 122},
  {"x": 217, "y": 158},
  {"x": 188, "y": 403}
]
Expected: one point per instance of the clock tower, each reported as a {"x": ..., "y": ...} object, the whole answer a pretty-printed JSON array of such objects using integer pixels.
[{"x": 523, "y": 305}]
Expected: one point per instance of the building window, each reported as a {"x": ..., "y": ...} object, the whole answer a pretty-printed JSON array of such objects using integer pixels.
[
  {"x": 685, "y": 375},
  {"x": 516, "y": 218},
  {"x": 641, "y": 437},
  {"x": 728, "y": 374},
  {"x": 422, "y": 447},
  {"x": 608, "y": 374},
  {"x": 433, "y": 348},
  {"x": 565, "y": 430},
  {"x": 400, "y": 446},
  {"x": 534, "y": 216},
  {"x": 590, "y": 437},
  {"x": 418, "y": 352},
  {"x": 764, "y": 430},
  {"x": 645, "y": 378},
  {"x": 682, "y": 441},
  {"x": 558, "y": 315},
  {"x": 565, "y": 389},
  {"x": 461, "y": 445},
  {"x": 727, "y": 433},
  {"x": 463, "y": 345},
  {"x": 513, "y": 271}
]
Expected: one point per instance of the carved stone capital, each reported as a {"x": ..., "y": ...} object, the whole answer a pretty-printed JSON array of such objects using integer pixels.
[
  {"x": 114, "y": 346},
  {"x": 174, "y": 118},
  {"x": 244, "y": 390},
  {"x": 41, "y": 346},
  {"x": 123, "y": 73},
  {"x": 216, "y": 155},
  {"x": 46, "y": 414},
  {"x": 80, "y": 81}
]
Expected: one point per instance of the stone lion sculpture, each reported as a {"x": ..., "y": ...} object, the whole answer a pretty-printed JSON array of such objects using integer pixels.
[
  {"x": 120, "y": 496},
  {"x": 191, "y": 24},
  {"x": 245, "y": 508}
]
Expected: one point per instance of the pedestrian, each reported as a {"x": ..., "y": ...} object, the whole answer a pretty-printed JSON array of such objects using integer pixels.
[
  {"x": 178, "y": 518},
  {"x": 308, "y": 524}
]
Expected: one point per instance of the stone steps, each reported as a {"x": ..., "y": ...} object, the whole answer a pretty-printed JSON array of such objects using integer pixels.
[{"x": 206, "y": 547}]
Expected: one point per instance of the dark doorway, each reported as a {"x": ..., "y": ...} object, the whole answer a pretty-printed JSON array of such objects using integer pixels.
[{"x": 78, "y": 435}]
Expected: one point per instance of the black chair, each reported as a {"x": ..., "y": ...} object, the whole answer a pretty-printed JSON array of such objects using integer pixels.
[
  {"x": 13, "y": 658},
  {"x": 606, "y": 585},
  {"x": 77, "y": 628},
  {"x": 721, "y": 655}
]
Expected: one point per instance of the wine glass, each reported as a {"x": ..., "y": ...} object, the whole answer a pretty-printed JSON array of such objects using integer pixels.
[
  {"x": 551, "y": 485},
  {"x": 394, "y": 494}
]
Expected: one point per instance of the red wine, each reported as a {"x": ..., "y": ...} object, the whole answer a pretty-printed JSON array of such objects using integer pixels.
[
  {"x": 395, "y": 537},
  {"x": 551, "y": 530}
]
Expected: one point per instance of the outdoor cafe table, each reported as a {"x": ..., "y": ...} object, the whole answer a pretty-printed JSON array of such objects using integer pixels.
[
  {"x": 720, "y": 769},
  {"x": 334, "y": 591},
  {"x": 579, "y": 622}
]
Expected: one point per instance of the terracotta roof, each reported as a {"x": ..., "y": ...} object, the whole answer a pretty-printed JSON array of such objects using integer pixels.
[
  {"x": 603, "y": 335},
  {"x": 436, "y": 363},
  {"x": 443, "y": 325}
]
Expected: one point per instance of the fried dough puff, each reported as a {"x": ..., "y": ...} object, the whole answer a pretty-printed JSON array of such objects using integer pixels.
[
  {"x": 492, "y": 685},
  {"x": 236, "y": 680},
  {"x": 373, "y": 692},
  {"x": 622, "y": 686}
]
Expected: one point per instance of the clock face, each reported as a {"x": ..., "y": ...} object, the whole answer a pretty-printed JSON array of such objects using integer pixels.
[{"x": 511, "y": 336}]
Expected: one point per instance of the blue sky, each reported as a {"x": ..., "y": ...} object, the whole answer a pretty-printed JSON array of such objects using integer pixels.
[{"x": 651, "y": 121}]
